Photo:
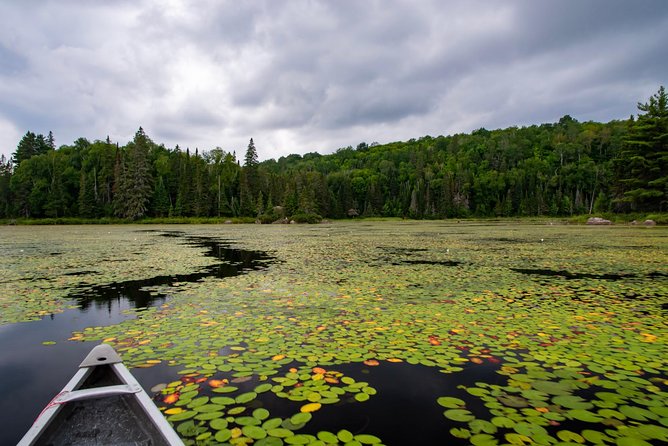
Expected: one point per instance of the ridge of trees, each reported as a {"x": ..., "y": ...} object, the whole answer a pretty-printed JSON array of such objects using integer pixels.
[{"x": 564, "y": 168}]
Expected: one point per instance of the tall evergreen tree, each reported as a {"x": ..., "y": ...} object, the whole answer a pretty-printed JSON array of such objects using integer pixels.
[
  {"x": 160, "y": 202},
  {"x": 27, "y": 148},
  {"x": 5, "y": 192},
  {"x": 249, "y": 185},
  {"x": 87, "y": 203},
  {"x": 50, "y": 141},
  {"x": 135, "y": 179},
  {"x": 643, "y": 164}
]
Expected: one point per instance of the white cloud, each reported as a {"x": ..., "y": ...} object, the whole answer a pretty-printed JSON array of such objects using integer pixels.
[
  {"x": 315, "y": 75},
  {"x": 9, "y": 138}
]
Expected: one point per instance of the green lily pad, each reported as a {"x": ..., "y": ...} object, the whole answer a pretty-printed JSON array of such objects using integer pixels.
[
  {"x": 261, "y": 413},
  {"x": 328, "y": 437},
  {"x": 482, "y": 426},
  {"x": 367, "y": 439},
  {"x": 236, "y": 410},
  {"x": 553, "y": 387},
  {"x": 631, "y": 441},
  {"x": 462, "y": 415},
  {"x": 265, "y": 387},
  {"x": 254, "y": 432},
  {"x": 223, "y": 435},
  {"x": 450, "y": 402},
  {"x": 246, "y": 397},
  {"x": 502, "y": 422},
  {"x": 247, "y": 421},
  {"x": 345, "y": 436},
  {"x": 361, "y": 397},
  {"x": 225, "y": 389},
  {"x": 218, "y": 424},
  {"x": 301, "y": 418},
  {"x": 280, "y": 432},
  {"x": 182, "y": 416},
  {"x": 572, "y": 402},
  {"x": 206, "y": 416},
  {"x": 269, "y": 441},
  {"x": 458, "y": 432},
  {"x": 299, "y": 439},
  {"x": 222, "y": 400},
  {"x": 483, "y": 440},
  {"x": 584, "y": 415},
  {"x": 638, "y": 413}
]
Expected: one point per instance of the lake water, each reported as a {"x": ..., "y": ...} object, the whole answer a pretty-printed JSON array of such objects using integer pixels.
[
  {"x": 32, "y": 373},
  {"x": 410, "y": 332}
]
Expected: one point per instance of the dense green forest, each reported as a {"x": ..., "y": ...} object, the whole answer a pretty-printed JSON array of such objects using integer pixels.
[{"x": 558, "y": 169}]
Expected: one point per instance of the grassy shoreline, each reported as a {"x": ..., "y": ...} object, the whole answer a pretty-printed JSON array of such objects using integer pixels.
[{"x": 616, "y": 219}]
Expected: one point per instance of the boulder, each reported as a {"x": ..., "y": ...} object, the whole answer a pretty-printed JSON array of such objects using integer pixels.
[
  {"x": 649, "y": 223},
  {"x": 598, "y": 221}
]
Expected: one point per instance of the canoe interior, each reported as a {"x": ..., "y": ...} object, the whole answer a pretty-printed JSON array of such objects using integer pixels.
[{"x": 115, "y": 420}]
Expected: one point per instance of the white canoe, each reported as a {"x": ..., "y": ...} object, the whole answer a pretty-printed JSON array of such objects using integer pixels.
[{"x": 103, "y": 404}]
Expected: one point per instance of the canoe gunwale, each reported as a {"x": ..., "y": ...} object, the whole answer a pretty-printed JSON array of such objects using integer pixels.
[
  {"x": 96, "y": 392},
  {"x": 72, "y": 392}
]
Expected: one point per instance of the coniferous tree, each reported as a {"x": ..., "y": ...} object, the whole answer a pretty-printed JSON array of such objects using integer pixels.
[
  {"x": 87, "y": 203},
  {"x": 27, "y": 148},
  {"x": 160, "y": 200},
  {"x": 5, "y": 192},
  {"x": 183, "y": 207},
  {"x": 249, "y": 184},
  {"x": 135, "y": 188},
  {"x": 51, "y": 141},
  {"x": 643, "y": 164}
]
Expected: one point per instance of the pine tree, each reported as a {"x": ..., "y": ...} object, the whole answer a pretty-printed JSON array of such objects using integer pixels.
[
  {"x": 87, "y": 205},
  {"x": 183, "y": 206},
  {"x": 135, "y": 188},
  {"x": 249, "y": 184},
  {"x": 5, "y": 193},
  {"x": 161, "y": 204},
  {"x": 27, "y": 148},
  {"x": 643, "y": 164},
  {"x": 51, "y": 141}
]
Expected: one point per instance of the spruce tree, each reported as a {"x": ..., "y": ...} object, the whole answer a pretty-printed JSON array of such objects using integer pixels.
[
  {"x": 249, "y": 184},
  {"x": 87, "y": 205},
  {"x": 27, "y": 148},
  {"x": 161, "y": 204},
  {"x": 135, "y": 188},
  {"x": 643, "y": 164}
]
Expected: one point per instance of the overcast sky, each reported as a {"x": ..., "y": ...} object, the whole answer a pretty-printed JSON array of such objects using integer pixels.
[{"x": 303, "y": 76}]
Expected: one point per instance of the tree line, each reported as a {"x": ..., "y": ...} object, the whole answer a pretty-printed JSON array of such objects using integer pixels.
[{"x": 556, "y": 169}]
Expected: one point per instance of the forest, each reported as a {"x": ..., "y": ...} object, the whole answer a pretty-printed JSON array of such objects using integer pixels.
[{"x": 555, "y": 169}]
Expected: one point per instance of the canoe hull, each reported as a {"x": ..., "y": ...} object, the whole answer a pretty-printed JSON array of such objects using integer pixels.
[{"x": 102, "y": 404}]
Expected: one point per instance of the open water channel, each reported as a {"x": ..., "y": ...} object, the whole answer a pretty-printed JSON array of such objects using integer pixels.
[{"x": 32, "y": 373}]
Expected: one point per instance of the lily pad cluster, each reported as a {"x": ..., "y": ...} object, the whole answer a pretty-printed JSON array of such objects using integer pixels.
[
  {"x": 204, "y": 407},
  {"x": 41, "y": 266},
  {"x": 566, "y": 358}
]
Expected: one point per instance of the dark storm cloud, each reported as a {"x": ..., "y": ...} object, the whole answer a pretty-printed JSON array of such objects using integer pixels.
[{"x": 317, "y": 75}]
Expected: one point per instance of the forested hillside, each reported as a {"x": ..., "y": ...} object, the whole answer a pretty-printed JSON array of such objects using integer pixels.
[{"x": 564, "y": 168}]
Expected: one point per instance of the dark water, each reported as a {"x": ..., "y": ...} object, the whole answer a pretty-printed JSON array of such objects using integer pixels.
[
  {"x": 405, "y": 407},
  {"x": 31, "y": 373}
]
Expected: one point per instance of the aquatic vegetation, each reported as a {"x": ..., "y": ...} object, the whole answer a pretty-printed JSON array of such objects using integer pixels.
[{"x": 518, "y": 335}]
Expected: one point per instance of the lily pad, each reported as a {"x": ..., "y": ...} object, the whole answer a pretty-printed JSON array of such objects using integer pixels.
[
  {"x": 254, "y": 432},
  {"x": 450, "y": 402},
  {"x": 462, "y": 415}
]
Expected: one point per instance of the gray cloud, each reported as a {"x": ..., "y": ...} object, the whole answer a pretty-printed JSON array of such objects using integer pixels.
[{"x": 317, "y": 75}]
